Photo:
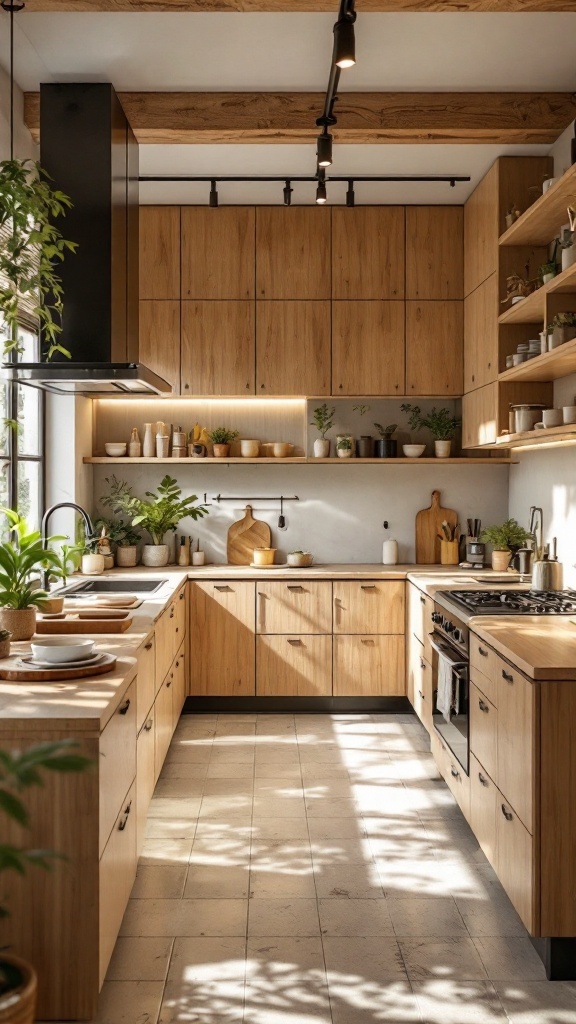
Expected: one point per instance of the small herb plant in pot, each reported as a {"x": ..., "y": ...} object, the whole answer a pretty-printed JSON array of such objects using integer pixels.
[
  {"x": 563, "y": 328},
  {"x": 344, "y": 447},
  {"x": 127, "y": 546},
  {"x": 21, "y": 562},
  {"x": 67, "y": 558},
  {"x": 386, "y": 447},
  {"x": 503, "y": 539},
  {"x": 323, "y": 422},
  {"x": 441, "y": 423},
  {"x": 221, "y": 439},
  {"x": 93, "y": 562}
]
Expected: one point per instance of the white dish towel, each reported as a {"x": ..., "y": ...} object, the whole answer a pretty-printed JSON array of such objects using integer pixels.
[{"x": 444, "y": 695}]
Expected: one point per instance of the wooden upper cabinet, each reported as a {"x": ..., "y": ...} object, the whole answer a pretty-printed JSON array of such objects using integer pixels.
[
  {"x": 292, "y": 252},
  {"x": 434, "y": 252},
  {"x": 160, "y": 339},
  {"x": 368, "y": 252},
  {"x": 481, "y": 231},
  {"x": 292, "y": 348},
  {"x": 218, "y": 252},
  {"x": 159, "y": 249},
  {"x": 434, "y": 348},
  {"x": 367, "y": 348},
  {"x": 481, "y": 334},
  {"x": 218, "y": 348}
]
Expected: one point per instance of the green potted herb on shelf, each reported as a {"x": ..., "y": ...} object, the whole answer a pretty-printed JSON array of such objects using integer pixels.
[
  {"x": 344, "y": 446},
  {"x": 323, "y": 423},
  {"x": 221, "y": 439},
  {"x": 503, "y": 539},
  {"x": 441, "y": 423},
  {"x": 21, "y": 561},
  {"x": 563, "y": 328},
  {"x": 386, "y": 447}
]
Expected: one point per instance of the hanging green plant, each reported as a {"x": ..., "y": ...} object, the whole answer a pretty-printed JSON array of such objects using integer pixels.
[{"x": 30, "y": 251}]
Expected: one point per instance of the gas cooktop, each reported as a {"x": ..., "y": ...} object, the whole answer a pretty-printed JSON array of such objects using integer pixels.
[{"x": 513, "y": 602}]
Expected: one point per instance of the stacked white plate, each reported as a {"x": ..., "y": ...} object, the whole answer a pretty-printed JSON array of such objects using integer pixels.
[{"x": 63, "y": 652}]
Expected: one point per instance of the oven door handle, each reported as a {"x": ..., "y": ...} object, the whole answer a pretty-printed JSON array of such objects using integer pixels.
[{"x": 445, "y": 651}]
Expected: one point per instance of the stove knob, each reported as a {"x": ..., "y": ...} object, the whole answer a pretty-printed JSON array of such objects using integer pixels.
[
  {"x": 458, "y": 636},
  {"x": 449, "y": 627},
  {"x": 436, "y": 618}
]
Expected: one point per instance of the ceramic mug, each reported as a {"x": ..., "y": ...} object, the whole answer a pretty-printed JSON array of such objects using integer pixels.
[
  {"x": 282, "y": 449},
  {"x": 552, "y": 417},
  {"x": 249, "y": 449},
  {"x": 569, "y": 414}
]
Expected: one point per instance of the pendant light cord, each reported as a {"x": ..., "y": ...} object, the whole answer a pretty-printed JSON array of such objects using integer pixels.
[{"x": 12, "y": 8}]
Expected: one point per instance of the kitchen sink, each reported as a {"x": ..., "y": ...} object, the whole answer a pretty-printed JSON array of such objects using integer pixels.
[{"x": 112, "y": 587}]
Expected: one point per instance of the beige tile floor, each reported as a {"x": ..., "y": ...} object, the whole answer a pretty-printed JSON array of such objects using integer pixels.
[{"x": 316, "y": 870}]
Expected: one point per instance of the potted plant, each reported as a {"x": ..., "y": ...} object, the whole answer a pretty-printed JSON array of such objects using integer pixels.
[
  {"x": 323, "y": 423},
  {"x": 92, "y": 563},
  {"x": 221, "y": 439},
  {"x": 547, "y": 271},
  {"x": 503, "y": 538},
  {"x": 65, "y": 561},
  {"x": 161, "y": 513},
  {"x": 21, "y": 561},
  {"x": 127, "y": 546},
  {"x": 30, "y": 250},
  {"x": 441, "y": 423},
  {"x": 19, "y": 770},
  {"x": 364, "y": 443},
  {"x": 563, "y": 328},
  {"x": 344, "y": 446},
  {"x": 386, "y": 448}
]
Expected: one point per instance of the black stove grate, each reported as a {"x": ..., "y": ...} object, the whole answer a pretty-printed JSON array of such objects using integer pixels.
[{"x": 515, "y": 602}]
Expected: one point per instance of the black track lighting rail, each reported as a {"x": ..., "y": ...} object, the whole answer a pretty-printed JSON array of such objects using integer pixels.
[{"x": 448, "y": 178}]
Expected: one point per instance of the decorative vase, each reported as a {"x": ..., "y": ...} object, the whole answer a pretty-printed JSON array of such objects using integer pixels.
[
  {"x": 364, "y": 446},
  {"x": 155, "y": 554},
  {"x": 442, "y": 451},
  {"x": 568, "y": 256},
  {"x": 18, "y": 1003},
  {"x": 21, "y": 622},
  {"x": 221, "y": 451},
  {"x": 385, "y": 448},
  {"x": 501, "y": 560},
  {"x": 93, "y": 564},
  {"x": 249, "y": 449},
  {"x": 127, "y": 555},
  {"x": 148, "y": 445},
  {"x": 134, "y": 445},
  {"x": 321, "y": 448}
]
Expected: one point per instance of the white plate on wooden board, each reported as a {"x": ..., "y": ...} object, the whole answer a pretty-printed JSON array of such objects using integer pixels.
[{"x": 92, "y": 659}]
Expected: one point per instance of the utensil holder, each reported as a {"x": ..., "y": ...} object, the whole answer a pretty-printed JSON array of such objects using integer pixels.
[{"x": 449, "y": 552}]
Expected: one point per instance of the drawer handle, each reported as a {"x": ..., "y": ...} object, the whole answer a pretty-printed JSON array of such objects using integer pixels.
[
  {"x": 295, "y": 643},
  {"x": 367, "y": 586},
  {"x": 182, "y": 596},
  {"x": 177, "y": 630},
  {"x": 223, "y": 589},
  {"x": 171, "y": 611},
  {"x": 295, "y": 587},
  {"x": 507, "y": 676},
  {"x": 148, "y": 725},
  {"x": 421, "y": 695},
  {"x": 122, "y": 824},
  {"x": 368, "y": 643},
  {"x": 483, "y": 706},
  {"x": 483, "y": 779},
  {"x": 454, "y": 772},
  {"x": 482, "y": 652},
  {"x": 422, "y": 663},
  {"x": 123, "y": 709},
  {"x": 507, "y": 814},
  {"x": 422, "y": 599},
  {"x": 149, "y": 646},
  {"x": 169, "y": 683}
]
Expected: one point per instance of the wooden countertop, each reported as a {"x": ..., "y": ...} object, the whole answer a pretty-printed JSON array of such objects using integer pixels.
[{"x": 540, "y": 646}]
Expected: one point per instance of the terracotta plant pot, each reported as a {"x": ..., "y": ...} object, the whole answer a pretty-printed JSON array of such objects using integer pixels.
[
  {"x": 442, "y": 449},
  {"x": 18, "y": 1004},
  {"x": 92, "y": 565},
  {"x": 21, "y": 622},
  {"x": 221, "y": 451},
  {"x": 501, "y": 560},
  {"x": 321, "y": 448},
  {"x": 127, "y": 555},
  {"x": 155, "y": 554},
  {"x": 52, "y": 605}
]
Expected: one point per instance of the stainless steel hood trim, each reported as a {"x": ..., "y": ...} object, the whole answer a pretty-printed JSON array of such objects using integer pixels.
[{"x": 89, "y": 379}]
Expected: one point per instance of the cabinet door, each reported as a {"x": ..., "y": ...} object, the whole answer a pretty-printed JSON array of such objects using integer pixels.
[
  {"x": 419, "y": 618},
  {"x": 146, "y": 680},
  {"x": 434, "y": 348},
  {"x": 484, "y": 731},
  {"x": 516, "y": 742},
  {"x": 218, "y": 252},
  {"x": 369, "y": 666},
  {"x": 222, "y": 627},
  {"x": 170, "y": 631},
  {"x": 218, "y": 348},
  {"x": 294, "y": 666},
  {"x": 117, "y": 767},
  {"x": 145, "y": 775},
  {"x": 294, "y": 607},
  {"x": 419, "y": 682},
  {"x": 159, "y": 246},
  {"x": 178, "y": 686},
  {"x": 160, "y": 339},
  {"x": 481, "y": 231},
  {"x": 292, "y": 252},
  {"x": 481, "y": 335},
  {"x": 367, "y": 348},
  {"x": 292, "y": 348},
  {"x": 117, "y": 873},
  {"x": 163, "y": 721},
  {"x": 480, "y": 416},
  {"x": 515, "y": 860},
  {"x": 483, "y": 808},
  {"x": 369, "y": 607},
  {"x": 434, "y": 252},
  {"x": 368, "y": 252}
]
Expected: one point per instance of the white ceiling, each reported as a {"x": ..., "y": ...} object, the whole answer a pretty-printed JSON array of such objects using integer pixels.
[{"x": 219, "y": 52}]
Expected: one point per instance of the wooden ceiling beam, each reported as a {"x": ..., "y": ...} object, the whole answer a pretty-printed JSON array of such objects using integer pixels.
[
  {"x": 304, "y": 6},
  {"x": 164, "y": 118}
]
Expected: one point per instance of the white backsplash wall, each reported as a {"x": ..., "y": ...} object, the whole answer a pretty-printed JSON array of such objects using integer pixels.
[{"x": 341, "y": 509}]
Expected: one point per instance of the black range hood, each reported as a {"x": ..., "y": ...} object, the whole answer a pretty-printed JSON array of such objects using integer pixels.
[{"x": 90, "y": 152}]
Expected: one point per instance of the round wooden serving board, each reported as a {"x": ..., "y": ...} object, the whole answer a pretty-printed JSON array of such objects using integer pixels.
[{"x": 11, "y": 668}]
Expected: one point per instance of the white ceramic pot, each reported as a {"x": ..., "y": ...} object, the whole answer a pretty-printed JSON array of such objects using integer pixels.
[
  {"x": 155, "y": 554},
  {"x": 501, "y": 560},
  {"x": 21, "y": 622},
  {"x": 127, "y": 555},
  {"x": 249, "y": 449},
  {"x": 552, "y": 417},
  {"x": 321, "y": 448},
  {"x": 547, "y": 277},
  {"x": 299, "y": 559},
  {"x": 442, "y": 449},
  {"x": 344, "y": 453},
  {"x": 198, "y": 557},
  {"x": 92, "y": 565},
  {"x": 568, "y": 257},
  {"x": 569, "y": 414}
]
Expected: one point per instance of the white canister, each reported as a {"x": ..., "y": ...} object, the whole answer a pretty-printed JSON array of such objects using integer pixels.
[
  {"x": 390, "y": 552},
  {"x": 198, "y": 557}
]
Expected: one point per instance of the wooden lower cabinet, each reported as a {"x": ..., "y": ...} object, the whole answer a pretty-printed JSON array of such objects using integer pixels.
[
  {"x": 145, "y": 774},
  {"x": 483, "y": 806},
  {"x": 304, "y": 607},
  {"x": 371, "y": 606},
  {"x": 515, "y": 862},
  {"x": 223, "y": 624},
  {"x": 369, "y": 666},
  {"x": 419, "y": 688},
  {"x": 178, "y": 686},
  {"x": 170, "y": 631},
  {"x": 452, "y": 772},
  {"x": 517, "y": 742},
  {"x": 117, "y": 874},
  {"x": 294, "y": 666},
  {"x": 117, "y": 761},
  {"x": 484, "y": 731},
  {"x": 146, "y": 680},
  {"x": 164, "y": 720}
]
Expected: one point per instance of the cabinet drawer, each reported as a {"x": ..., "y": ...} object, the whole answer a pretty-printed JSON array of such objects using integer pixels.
[
  {"x": 483, "y": 806},
  {"x": 117, "y": 872},
  {"x": 484, "y": 665},
  {"x": 453, "y": 774},
  {"x": 294, "y": 607},
  {"x": 374, "y": 606},
  {"x": 366, "y": 666},
  {"x": 516, "y": 741},
  {"x": 516, "y": 862},
  {"x": 178, "y": 672},
  {"x": 484, "y": 730},
  {"x": 170, "y": 632},
  {"x": 419, "y": 682},
  {"x": 145, "y": 775},
  {"x": 419, "y": 617},
  {"x": 146, "y": 680},
  {"x": 117, "y": 761},
  {"x": 164, "y": 717},
  {"x": 294, "y": 666}
]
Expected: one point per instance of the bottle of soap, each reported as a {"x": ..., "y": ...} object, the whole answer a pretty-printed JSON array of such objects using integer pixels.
[{"x": 389, "y": 549}]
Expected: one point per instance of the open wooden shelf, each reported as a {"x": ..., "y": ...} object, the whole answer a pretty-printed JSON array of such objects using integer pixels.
[
  {"x": 541, "y": 221},
  {"x": 471, "y": 461},
  {"x": 531, "y": 310},
  {"x": 548, "y": 438},
  {"x": 560, "y": 362}
]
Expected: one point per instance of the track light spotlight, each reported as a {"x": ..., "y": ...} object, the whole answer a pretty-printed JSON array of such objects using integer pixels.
[
  {"x": 324, "y": 149},
  {"x": 350, "y": 197},
  {"x": 287, "y": 190},
  {"x": 344, "y": 42},
  {"x": 321, "y": 190},
  {"x": 213, "y": 194}
]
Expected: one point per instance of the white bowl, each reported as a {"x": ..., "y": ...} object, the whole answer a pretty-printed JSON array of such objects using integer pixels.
[
  {"x": 115, "y": 448},
  {"x": 59, "y": 649},
  {"x": 300, "y": 559},
  {"x": 413, "y": 451}
]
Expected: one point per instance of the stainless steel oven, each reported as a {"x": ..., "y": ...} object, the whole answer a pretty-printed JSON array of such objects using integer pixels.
[{"x": 449, "y": 642}]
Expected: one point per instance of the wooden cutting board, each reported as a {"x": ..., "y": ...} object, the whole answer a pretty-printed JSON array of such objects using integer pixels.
[
  {"x": 245, "y": 535},
  {"x": 12, "y": 668},
  {"x": 75, "y": 624},
  {"x": 428, "y": 526}
]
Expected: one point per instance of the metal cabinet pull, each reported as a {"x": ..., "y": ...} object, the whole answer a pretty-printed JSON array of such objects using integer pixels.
[
  {"x": 295, "y": 587},
  {"x": 483, "y": 779},
  {"x": 454, "y": 773},
  {"x": 507, "y": 814},
  {"x": 483, "y": 706},
  {"x": 122, "y": 710},
  {"x": 368, "y": 643},
  {"x": 295, "y": 643},
  {"x": 223, "y": 589},
  {"x": 482, "y": 652},
  {"x": 422, "y": 663},
  {"x": 182, "y": 595},
  {"x": 122, "y": 824},
  {"x": 421, "y": 695},
  {"x": 169, "y": 683},
  {"x": 367, "y": 586},
  {"x": 149, "y": 646},
  {"x": 171, "y": 611},
  {"x": 422, "y": 599},
  {"x": 507, "y": 676},
  {"x": 148, "y": 725}
]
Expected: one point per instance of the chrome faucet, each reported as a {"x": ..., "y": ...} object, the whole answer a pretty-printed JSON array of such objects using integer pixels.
[{"x": 44, "y": 529}]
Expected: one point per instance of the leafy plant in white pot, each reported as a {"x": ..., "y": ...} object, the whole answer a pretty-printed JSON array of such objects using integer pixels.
[
  {"x": 323, "y": 423},
  {"x": 21, "y": 562},
  {"x": 441, "y": 423},
  {"x": 163, "y": 512}
]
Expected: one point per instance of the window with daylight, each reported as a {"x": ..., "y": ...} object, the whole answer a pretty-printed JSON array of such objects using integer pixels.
[{"x": 22, "y": 436}]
